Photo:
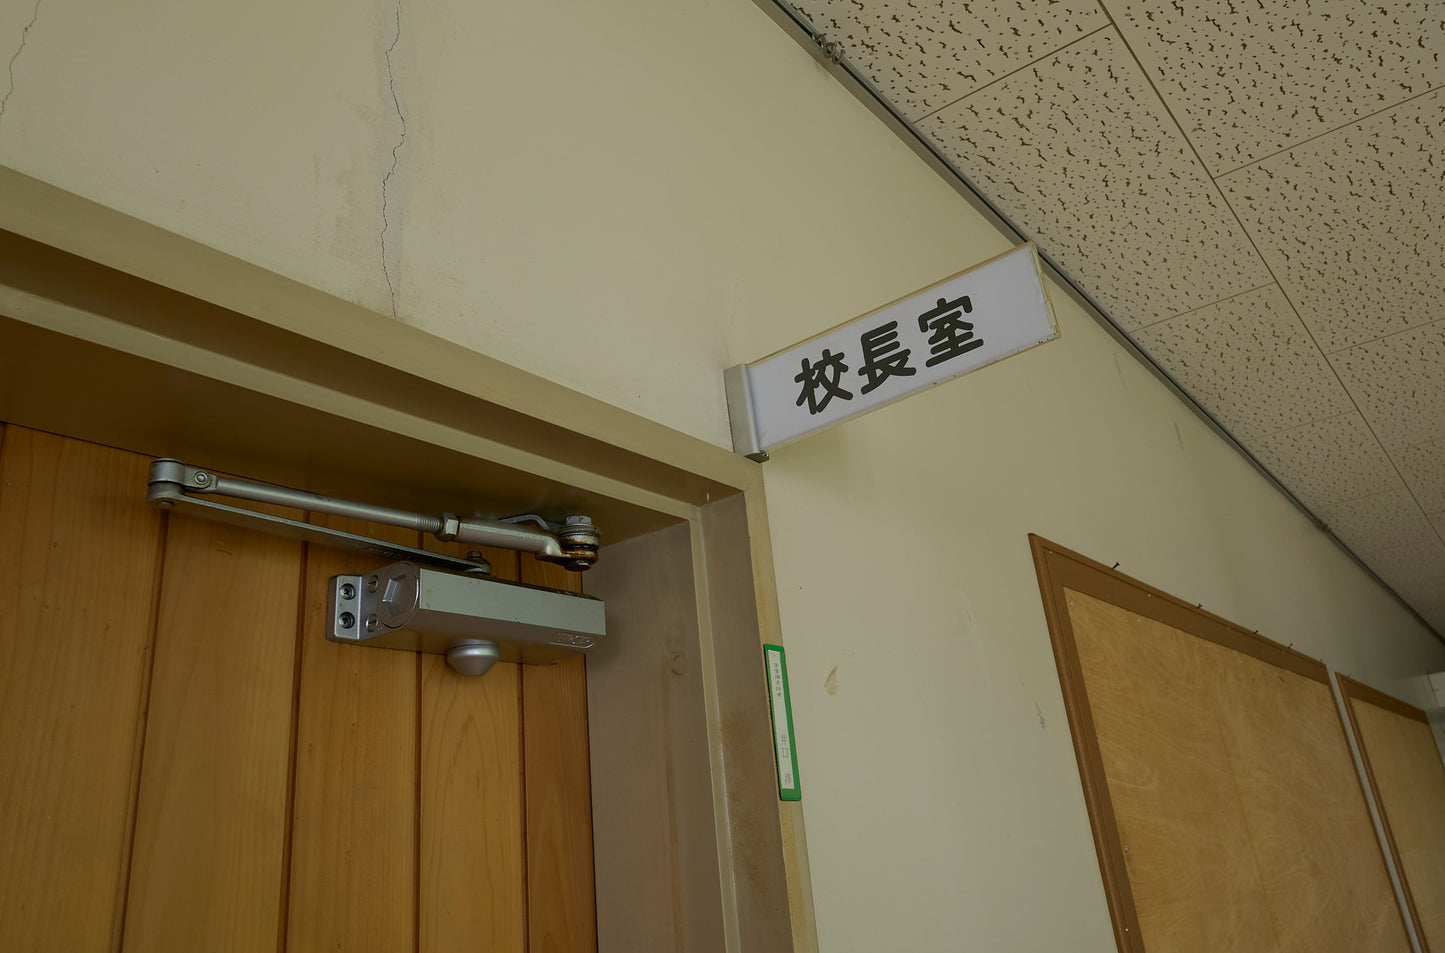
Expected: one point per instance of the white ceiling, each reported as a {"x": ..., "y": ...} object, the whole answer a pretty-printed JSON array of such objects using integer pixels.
[{"x": 1252, "y": 189}]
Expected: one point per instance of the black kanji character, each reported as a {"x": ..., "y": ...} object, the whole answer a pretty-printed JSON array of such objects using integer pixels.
[
  {"x": 949, "y": 335},
  {"x": 825, "y": 374},
  {"x": 878, "y": 363}
]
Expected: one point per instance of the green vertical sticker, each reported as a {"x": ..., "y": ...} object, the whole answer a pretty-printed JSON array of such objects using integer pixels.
[{"x": 781, "y": 704}]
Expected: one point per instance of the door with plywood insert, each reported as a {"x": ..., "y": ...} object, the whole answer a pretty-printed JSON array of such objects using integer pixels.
[
  {"x": 189, "y": 765},
  {"x": 1225, "y": 805},
  {"x": 1406, "y": 773}
]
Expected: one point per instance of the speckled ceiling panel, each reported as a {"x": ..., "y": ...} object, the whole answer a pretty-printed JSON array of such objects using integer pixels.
[
  {"x": 1250, "y": 363},
  {"x": 1321, "y": 122},
  {"x": 925, "y": 54},
  {"x": 1247, "y": 78},
  {"x": 1399, "y": 384},
  {"x": 1351, "y": 223},
  {"x": 1431, "y": 606},
  {"x": 1079, "y": 150},
  {"x": 1423, "y": 466},
  {"x": 1328, "y": 461},
  {"x": 1395, "y": 539}
]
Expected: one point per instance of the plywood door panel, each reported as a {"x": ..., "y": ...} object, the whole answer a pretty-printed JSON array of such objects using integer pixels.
[
  {"x": 1233, "y": 789},
  {"x": 210, "y": 843},
  {"x": 562, "y": 915},
  {"x": 473, "y": 874},
  {"x": 1318, "y": 856},
  {"x": 353, "y": 879},
  {"x": 80, "y": 560},
  {"x": 1409, "y": 781},
  {"x": 1163, "y": 744}
]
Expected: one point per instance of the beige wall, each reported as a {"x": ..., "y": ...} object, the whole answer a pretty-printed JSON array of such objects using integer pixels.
[
  {"x": 628, "y": 197},
  {"x": 575, "y": 178}
]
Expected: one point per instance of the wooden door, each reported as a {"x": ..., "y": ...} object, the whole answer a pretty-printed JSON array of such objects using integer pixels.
[
  {"x": 1408, "y": 778},
  {"x": 1226, "y": 808},
  {"x": 186, "y": 764}
]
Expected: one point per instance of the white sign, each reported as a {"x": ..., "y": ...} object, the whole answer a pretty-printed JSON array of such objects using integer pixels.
[{"x": 976, "y": 317}]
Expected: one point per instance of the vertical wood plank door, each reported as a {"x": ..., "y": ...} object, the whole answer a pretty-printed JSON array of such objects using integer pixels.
[
  {"x": 1226, "y": 807},
  {"x": 474, "y": 880},
  {"x": 80, "y": 562},
  {"x": 562, "y": 916},
  {"x": 217, "y": 759},
  {"x": 353, "y": 843},
  {"x": 187, "y": 764}
]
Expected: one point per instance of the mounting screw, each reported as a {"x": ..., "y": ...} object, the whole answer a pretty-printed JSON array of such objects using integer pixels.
[
  {"x": 348, "y": 591},
  {"x": 372, "y": 623},
  {"x": 372, "y": 583},
  {"x": 347, "y": 620},
  {"x": 832, "y": 49}
]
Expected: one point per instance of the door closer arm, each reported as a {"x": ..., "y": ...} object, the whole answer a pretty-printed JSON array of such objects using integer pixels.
[
  {"x": 572, "y": 543},
  {"x": 424, "y": 601}
]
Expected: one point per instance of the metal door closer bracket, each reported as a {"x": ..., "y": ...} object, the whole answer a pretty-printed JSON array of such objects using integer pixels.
[{"x": 422, "y": 602}]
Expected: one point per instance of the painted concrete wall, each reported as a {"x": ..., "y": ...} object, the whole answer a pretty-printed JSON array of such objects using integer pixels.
[{"x": 627, "y": 198}]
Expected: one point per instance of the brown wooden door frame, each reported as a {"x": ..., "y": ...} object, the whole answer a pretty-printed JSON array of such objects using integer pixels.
[
  {"x": 1059, "y": 568},
  {"x": 119, "y": 333}
]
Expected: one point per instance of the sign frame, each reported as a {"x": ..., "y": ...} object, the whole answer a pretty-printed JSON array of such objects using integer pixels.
[{"x": 749, "y": 438}]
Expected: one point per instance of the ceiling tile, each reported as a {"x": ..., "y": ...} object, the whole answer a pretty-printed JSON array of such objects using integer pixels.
[
  {"x": 925, "y": 54},
  {"x": 1250, "y": 363},
  {"x": 1078, "y": 149},
  {"x": 1351, "y": 223},
  {"x": 1399, "y": 384},
  {"x": 1423, "y": 467},
  {"x": 1329, "y": 460},
  {"x": 1395, "y": 539},
  {"x": 1249, "y": 79},
  {"x": 1384, "y": 521},
  {"x": 1428, "y": 599}
]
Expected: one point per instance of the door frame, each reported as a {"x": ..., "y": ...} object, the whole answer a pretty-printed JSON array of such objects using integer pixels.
[{"x": 119, "y": 332}]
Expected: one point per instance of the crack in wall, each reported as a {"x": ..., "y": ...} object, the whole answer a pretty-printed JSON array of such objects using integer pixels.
[
  {"x": 395, "y": 161},
  {"x": 24, "y": 36}
]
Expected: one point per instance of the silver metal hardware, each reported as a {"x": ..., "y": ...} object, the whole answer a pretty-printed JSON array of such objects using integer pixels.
[
  {"x": 531, "y": 518},
  {"x": 425, "y": 602},
  {"x": 573, "y": 544},
  {"x": 472, "y": 620},
  {"x": 832, "y": 49},
  {"x": 740, "y": 413},
  {"x": 473, "y": 658}
]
